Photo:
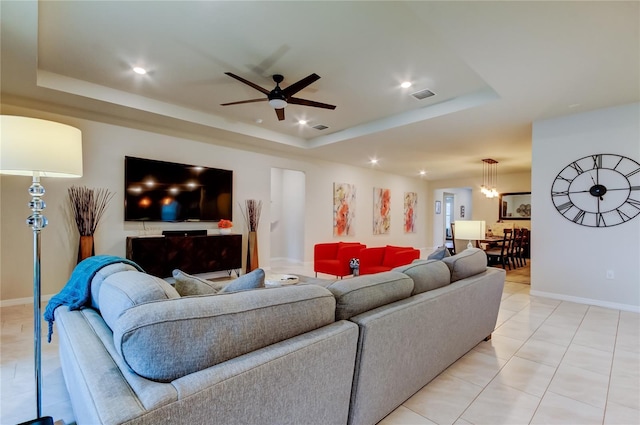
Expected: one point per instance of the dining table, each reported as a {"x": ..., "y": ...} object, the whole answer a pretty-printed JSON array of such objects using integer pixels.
[{"x": 489, "y": 241}]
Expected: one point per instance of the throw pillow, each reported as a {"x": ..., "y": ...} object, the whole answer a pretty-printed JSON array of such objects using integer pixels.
[
  {"x": 439, "y": 253},
  {"x": 187, "y": 284},
  {"x": 252, "y": 280}
]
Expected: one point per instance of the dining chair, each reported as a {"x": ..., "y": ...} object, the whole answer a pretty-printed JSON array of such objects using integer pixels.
[
  {"x": 524, "y": 245},
  {"x": 515, "y": 248},
  {"x": 500, "y": 254}
]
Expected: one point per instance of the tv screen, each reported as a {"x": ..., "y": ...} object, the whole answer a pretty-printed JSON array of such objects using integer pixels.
[{"x": 166, "y": 191}]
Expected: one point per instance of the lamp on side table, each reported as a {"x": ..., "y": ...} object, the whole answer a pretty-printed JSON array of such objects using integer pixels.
[
  {"x": 470, "y": 230},
  {"x": 38, "y": 148}
]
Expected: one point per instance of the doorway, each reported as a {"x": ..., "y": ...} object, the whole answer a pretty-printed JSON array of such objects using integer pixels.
[
  {"x": 449, "y": 204},
  {"x": 287, "y": 215}
]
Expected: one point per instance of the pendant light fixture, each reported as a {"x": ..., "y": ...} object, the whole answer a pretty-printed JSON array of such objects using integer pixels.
[{"x": 489, "y": 178}]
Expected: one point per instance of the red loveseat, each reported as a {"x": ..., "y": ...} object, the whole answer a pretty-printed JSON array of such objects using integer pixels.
[
  {"x": 385, "y": 258},
  {"x": 333, "y": 257}
]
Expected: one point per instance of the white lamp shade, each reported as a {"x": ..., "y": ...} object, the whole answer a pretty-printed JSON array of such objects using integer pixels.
[
  {"x": 30, "y": 145},
  {"x": 470, "y": 230}
]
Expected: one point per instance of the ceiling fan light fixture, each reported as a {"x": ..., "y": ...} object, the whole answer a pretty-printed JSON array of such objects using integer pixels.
[{"x": 278, "y": 103}]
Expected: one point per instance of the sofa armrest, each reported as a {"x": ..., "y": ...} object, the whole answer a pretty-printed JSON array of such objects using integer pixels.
[{"x": 405, "y": 257}]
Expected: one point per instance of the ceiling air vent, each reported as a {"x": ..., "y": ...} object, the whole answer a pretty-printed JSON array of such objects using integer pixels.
[
  {"x": 320, "y": 127},
  {"x": 423, "y": 94}
]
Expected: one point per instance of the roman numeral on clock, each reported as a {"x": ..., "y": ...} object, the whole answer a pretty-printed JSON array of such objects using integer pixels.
[
  {"x": 564, "y": 207},
  {"x": 579, "y": 218},
  {"x": 634, "y": 203},
  {"x": 576, "y": 167},
  {"x": 597, "y": 161}
]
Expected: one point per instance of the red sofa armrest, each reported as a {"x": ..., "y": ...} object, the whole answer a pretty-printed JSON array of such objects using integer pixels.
[{"x": 405, "y": 257}]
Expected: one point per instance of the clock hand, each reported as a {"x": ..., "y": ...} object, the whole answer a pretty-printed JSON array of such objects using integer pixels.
[{"x": 598, "y": 182}]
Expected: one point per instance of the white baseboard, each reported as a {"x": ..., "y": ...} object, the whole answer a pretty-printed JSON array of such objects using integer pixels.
[
  {"x": 23, "y": 301},
  {"x": 589, "y": 301}
]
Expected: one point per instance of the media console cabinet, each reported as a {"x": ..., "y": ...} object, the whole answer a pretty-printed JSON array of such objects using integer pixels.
[{"x": 160, "y": 255}]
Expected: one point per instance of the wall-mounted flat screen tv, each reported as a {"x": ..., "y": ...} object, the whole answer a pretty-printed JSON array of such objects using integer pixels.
[{"x": 167, "y": 191}]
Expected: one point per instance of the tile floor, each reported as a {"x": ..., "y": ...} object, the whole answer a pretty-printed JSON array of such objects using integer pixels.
[{"x": 549, "y": 362}]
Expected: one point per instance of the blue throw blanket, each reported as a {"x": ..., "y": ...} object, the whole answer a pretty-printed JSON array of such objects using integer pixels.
[{"x": 77, "y": 292}]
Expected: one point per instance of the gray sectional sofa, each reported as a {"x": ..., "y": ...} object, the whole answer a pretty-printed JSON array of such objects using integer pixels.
[{"x": 324, "y": 352}]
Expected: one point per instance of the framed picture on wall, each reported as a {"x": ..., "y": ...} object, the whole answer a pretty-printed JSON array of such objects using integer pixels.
[{"x": 438, "y": 207}]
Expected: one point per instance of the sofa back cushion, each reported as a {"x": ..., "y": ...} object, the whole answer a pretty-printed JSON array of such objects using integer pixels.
[
  {"x": 364, "y": 293},
  {"x": 469, "y": 262},
  {"x": 123, "y": 290},
  {"x": 165, "y": 340},
  {"x": 426, "y": 274}
]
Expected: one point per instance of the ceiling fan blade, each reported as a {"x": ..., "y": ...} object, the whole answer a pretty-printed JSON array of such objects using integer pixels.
[
  {"x": 296, "y": 87},
  {"x": 305, "y": 102},
  {"x": 280, "y": 114},
  {"x": 249, "y": 83},
  {"x": 244, "y": 101}
]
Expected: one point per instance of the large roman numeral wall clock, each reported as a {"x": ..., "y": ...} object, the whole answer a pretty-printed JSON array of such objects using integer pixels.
[{"x": 599, "y": 190}]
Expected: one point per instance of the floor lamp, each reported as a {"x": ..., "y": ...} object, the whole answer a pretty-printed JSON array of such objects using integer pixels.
[{"x": 38, "y": 148}]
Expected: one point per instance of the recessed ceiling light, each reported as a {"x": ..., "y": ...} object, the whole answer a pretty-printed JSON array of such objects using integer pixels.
[
  {"x": 373, "y": 161},
  {"x": 259, "y": 121},
  {"x": 139, "y": 70},
  {"x": 406, "y": 84},
  {"x": 302, "y": 122},
  {"x": 422, "y": 172}
]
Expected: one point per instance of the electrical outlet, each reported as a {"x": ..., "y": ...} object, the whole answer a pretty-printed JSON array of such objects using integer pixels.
[{"x": 610, "y": 274}]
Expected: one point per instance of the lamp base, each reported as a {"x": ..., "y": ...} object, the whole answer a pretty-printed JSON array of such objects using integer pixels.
[
  {"x": 45, "y": 420},
  {"x": 469, "y": 245}
]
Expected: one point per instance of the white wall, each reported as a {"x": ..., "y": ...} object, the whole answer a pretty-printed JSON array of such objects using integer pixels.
[
  {"x": 104, "y": 148},
  {"x": 571, "y": 260},
  {"x": 287, "y": 214}
]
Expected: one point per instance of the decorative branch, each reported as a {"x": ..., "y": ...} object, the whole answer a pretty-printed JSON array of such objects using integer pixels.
[
  {"x": 88, "y": 207},
  {"x": 252, "y": 214}
]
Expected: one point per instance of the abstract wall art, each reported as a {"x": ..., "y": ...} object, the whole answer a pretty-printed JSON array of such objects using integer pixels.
[
  {"x": 381, "y": 211},
  {"x": 344, "y": 209},
  {"x": 410, "y": 205}
]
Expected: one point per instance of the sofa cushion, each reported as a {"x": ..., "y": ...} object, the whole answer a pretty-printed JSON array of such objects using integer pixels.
[
  {"x": 426, "y": 275},
  {"x": 364, "y": 293},
  {"x": 439, "y": 254},
  {"x": 101, "y": 275},
  {"x": 469, "y": 262},
  {"x": 251, "y": 280},
  {"x": 166, "y": 340},
  {"x": 123, "y": 290},
  {"x": 187, "y": 284}
]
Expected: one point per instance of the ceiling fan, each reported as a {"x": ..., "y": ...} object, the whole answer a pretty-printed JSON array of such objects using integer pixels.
[{"x": 279, "y": 98}]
